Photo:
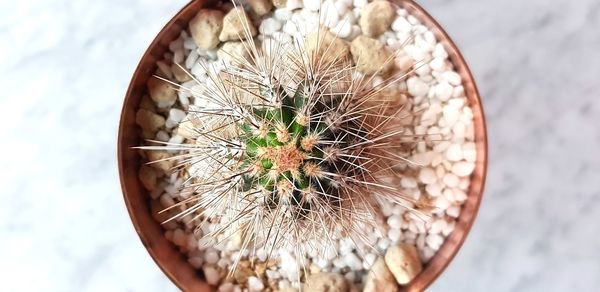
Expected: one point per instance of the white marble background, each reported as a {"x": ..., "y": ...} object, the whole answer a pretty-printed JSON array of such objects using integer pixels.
[{"x": 65, "y": 66}]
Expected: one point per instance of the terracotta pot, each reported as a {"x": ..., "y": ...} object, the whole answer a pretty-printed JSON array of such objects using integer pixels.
[{"x": 167, "y": 256}]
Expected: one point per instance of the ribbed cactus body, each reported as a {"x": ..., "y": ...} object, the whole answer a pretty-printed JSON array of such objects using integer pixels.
[{"x": 286, "y": 157}]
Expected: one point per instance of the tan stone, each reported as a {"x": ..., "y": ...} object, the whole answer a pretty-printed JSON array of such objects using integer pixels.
[
  {"x": 280, "y": 3},
  {"x": 148, "y": 104},
  {"x": 242, "y": 272},
  {"x": 371, "y": 56},
  {"x": 161, "y": 92},
  {"x": 181, "y": 75},
  {"x": 324, "y": 44},
  {"x": 237, "y": 25},
  {"x": 260, "y": 7},
  {"x": 206, "y": 27},
  {"x": 376, "y": 17},
  {"x": 158, "y": 160},
  {"x": 160, "y": 214},
  {"x": 380, "y": 278},
  {"x": 149, "y": 121},
  {"x": 403, "y": 262},
  {"x": 327, "y": 282},
  {"x": 148, "y": 177},
  {"x": 187, "y": 129},
  {"x": 234, "y": 52}
]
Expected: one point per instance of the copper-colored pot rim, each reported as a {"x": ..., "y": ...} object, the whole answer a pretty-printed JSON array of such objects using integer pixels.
[{"x": 172, "y": 262}]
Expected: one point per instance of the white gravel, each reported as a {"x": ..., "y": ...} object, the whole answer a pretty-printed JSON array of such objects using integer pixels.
[{"x": 441, "y": 172}]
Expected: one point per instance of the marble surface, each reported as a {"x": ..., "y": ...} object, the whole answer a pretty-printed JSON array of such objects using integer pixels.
[{"x": 65, "y": 66}]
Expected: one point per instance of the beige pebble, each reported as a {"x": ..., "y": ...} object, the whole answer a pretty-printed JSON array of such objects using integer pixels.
[
  {"x": 376, "y": 17},
  {"x": 149, "y": 121},
  {"x": 233, "y": 52},
  {"x": 379, "y": 278},
  {"x": 260, "y": 7},
  {"x": 161, "y": 92},
  {"x": 147, "y": 103},
  {"x": 206, "y": 27},
  {"x": 147, "y": 176},
  {"x": 187, "y": 129},
  {"x": 403, "y": 262},
  {"x": 161, "y": 215},
  {"x": 280, "y": 3},
  {"x": 158, "y": 159},
  {"x": 327, "y": 282},
  {"x": 371, "y": 56},
  {"x": 180, "y": 74},
  {"x": 326, "y": 45},
  {"x": 236, "y": 25}
]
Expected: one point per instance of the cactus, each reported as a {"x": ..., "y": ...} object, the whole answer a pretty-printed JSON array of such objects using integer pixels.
[{"x": 291, "y": 146}]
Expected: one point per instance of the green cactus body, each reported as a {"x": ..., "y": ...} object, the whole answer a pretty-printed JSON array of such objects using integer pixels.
[{"x": 286, "y": 161}]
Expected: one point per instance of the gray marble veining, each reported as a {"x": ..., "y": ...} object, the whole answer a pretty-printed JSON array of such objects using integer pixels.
[{"x": 65, "y": 66}]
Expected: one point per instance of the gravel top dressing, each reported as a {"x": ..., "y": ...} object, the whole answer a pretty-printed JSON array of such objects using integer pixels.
[{"x": 391, "y": 54}]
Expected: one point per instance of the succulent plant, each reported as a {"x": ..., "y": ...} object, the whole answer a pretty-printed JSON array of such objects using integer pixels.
[{"x": 291, "y": 145}]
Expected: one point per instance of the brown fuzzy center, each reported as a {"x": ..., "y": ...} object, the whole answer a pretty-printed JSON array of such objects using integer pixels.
[{"x": 287, "y": 158}]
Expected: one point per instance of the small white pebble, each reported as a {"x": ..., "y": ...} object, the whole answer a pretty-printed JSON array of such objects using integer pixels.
[
  {"x": 269, "y": 26},
  {"x": 440, "y": 51},
  {"x": 437, "y": 226},
  {"x": 339, "y": 263},
  {"x": 343, "y": 29},
  {"x": 273, "y": 275},
  {"x": 394, "y": 221},
  {"x": 453, "y": 211},
  {"x": 226, "y": 287},
  {"x": 451, "y": 180},
  {"x": 312, "y": 5},
  {"x": 323, "y": 263},
  {"x": 383, "y": 244},
  {"x": 400, "y": 24},
  {"x": 394, "y": 234},
  {"x": 294, "y": 4},
  {"x": 211, "y": 257},
  {"x": 451, "y": 114},
  {"x": 454, "y": 152},
  {"x": 434, "y": 241},
  {"x": 427, "y": 254},
  {"x": 223, "y": 263},
  {"x": 442, "y": 202},
  {"x": 437, "y": 64},
  {"x": 427, "y": 175},
  {"x": 196, "y": 262},
  {"x": 448, "y": 228},
  {"x": 408, "y": 182},
  {"x": 459, "y": 195},
  {"x": 421, "y": 241},
  {"x": 211, "y": 275},
  {"x": 463, "y": 168},
  {"x": 261, "y": 254},
  {"x": 353, "y": 261},
  {"x": 469, "y": 152},
  {"x": 434, "y": 189},
  {"x": 452, "y": 77},
  {"x": 416, "y": 87},
  {"x": 359, "y": 3},
  {"x": 443, "y": 91},
  {"x": 255, "y": 284},
  {"x": 283, "y": 14}
]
